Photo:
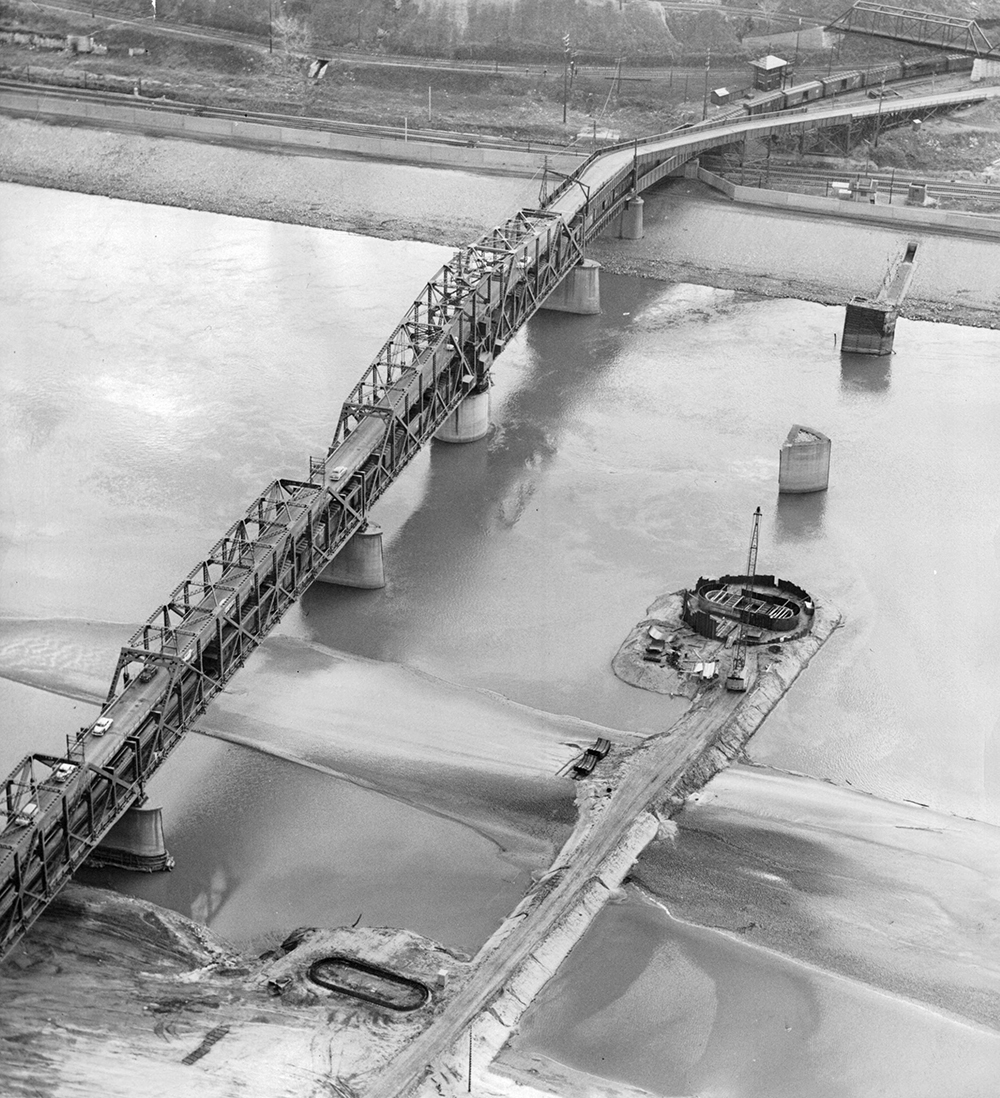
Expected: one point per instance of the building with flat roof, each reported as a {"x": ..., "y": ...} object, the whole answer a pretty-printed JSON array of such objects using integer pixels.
[{"x": 770, "y": 72}]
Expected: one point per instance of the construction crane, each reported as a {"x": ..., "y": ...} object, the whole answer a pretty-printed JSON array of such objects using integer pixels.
[{"x": 737, "y": 678}]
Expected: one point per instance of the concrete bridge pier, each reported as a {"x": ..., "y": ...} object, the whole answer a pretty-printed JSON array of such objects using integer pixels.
[
  {"x": 631, "y": 223},
  {"x": 869, "y": 328},
  {"x": 136, "y": 842},
  {"x": 469, "y": 422},
  {"x": 804, "y": 461},
  {"x": 579, "y": 292},
  {"x": 359, "y": 563}
]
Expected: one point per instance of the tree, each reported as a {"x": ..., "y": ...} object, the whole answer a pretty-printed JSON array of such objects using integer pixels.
[{"x": 292, "y": 36}]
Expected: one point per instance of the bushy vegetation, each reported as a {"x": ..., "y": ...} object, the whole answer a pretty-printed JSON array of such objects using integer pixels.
[{"x": 508, "y": 32}]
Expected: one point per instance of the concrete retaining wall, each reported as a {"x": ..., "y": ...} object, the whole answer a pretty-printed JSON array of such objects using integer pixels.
[
  {"x": 901, "y": 216},
  {"x": 163, "y": 121},
  {"x": 985, "y": 70}
]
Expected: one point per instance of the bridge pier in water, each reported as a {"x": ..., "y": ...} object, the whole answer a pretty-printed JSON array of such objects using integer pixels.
[
  {"x": 469, "y": 422},
  {"x": 359, "y": 563},
  {"x": 631, "y": 223},
  {"x": 579, "y": 292},
  {"x": 135, "y": 842}
]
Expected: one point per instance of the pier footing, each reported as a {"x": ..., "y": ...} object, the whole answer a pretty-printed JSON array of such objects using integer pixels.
[
  {"x": 579, "y": 292},
  {"x": 359, "y": 563},
  {"x": 136, "y": 842},
  {"x": 469, "y": 422}
]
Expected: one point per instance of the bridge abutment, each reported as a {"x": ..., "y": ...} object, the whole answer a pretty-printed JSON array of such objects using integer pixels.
[
  {"x": 579, "y": 292},
  {"x": 135, "y": 842},
  {"x": 631, "y": 223},
  {"x": 359, "y": 563},
  {"x": 469, "y": 422}
]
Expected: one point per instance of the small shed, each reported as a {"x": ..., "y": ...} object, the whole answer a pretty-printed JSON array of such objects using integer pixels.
[
  {"x": 770, "y": 72},
  {"x": 720, "y": 96}
]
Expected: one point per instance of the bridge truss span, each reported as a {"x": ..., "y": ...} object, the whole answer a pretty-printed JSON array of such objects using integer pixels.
[
  {"x": 920, "y": 28},
  {"x": 187, "y": 651}
]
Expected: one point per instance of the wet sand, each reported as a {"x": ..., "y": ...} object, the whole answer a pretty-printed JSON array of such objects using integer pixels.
[
  {"x": 691, "y": 233},
  {"x": 892, "y": 895},
  {"x": 374, "y": 198}
]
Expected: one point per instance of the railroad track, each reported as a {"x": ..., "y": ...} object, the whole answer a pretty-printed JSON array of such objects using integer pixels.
[
  {"x": 302, "y": 122},
  {"x": 821, "y": 178}
]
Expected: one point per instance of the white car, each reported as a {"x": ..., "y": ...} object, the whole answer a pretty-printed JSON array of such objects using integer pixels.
[
  {"x": 25, "y": 815},
  {"x": 338, "y": 472},
  {"x": 63, "y": 772},
  {"x": 102, "y": 725}
]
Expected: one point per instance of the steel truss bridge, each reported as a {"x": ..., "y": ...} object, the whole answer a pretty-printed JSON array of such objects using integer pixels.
[
  {"x": 55, "y": 809},
  {"x": 920, "y": 28}
]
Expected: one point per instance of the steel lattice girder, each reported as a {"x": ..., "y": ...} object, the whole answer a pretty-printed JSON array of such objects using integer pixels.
[
  {"x": 190, "y": 647},
  {"x": 917, "y": 27}
]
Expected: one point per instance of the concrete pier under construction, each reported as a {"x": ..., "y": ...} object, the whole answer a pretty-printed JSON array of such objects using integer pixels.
[{"x": 870, "y": 324}]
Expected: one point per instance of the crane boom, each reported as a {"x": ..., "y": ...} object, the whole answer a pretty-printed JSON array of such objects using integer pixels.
[
  {"x": 737, "y": 679},
  {"x": 754, "y": 537}
]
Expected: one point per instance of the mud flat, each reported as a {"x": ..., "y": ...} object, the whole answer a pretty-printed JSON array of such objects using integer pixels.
[
  {"x": 112, "y": 994},
  {"x": 624, "y": 805}
]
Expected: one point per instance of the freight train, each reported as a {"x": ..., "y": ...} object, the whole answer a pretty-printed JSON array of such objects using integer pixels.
[{"x": 824, "y": 87}]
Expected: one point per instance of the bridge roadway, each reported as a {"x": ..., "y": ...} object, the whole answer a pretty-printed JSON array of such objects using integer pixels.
[{"x": 56, "y": 809}]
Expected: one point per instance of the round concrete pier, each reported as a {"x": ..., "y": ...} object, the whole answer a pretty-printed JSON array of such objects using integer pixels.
[
  {"x": 804, "y": 461},
  {"x": 359, "y": 563},
  {"x": 631, "y": 227},
  {"x": 136, "y": 842},
  {"x": 469, "y": 422}
]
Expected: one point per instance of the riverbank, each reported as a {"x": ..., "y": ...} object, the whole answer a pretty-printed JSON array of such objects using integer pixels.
[
  {"x": 692, "y": 234},
  {"x": 392, "y": 201}
]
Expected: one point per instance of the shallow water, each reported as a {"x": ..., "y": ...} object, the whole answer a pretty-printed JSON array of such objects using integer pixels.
[
  {"x": 162, "y": 366},
  {"x": 628, "y": 453},
  {"x": 263, "y": 845},
  {"x": 678, "y": 1009}
]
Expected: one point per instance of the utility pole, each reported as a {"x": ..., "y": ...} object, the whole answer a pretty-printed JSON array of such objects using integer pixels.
[
  {"x": 565, "y": 73},
  {"x": 704, "y": 102},
  {"x": 270, "y": 26}
]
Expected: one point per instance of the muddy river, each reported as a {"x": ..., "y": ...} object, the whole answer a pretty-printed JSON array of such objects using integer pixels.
[{"x": 161, "y": 366}]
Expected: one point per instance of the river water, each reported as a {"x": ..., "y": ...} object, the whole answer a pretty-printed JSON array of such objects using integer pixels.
[{"x": 160, "y": 366}]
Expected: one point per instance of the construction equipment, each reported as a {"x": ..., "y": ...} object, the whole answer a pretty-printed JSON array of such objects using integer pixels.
[{"x": 736, "y": 680}]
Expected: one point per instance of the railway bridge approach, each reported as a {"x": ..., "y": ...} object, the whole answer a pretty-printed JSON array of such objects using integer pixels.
[{"x": 54, "y": 809}]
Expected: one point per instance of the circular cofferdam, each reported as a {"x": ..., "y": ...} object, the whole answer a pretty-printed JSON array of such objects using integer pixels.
[{"x": 371, "y": 983}]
